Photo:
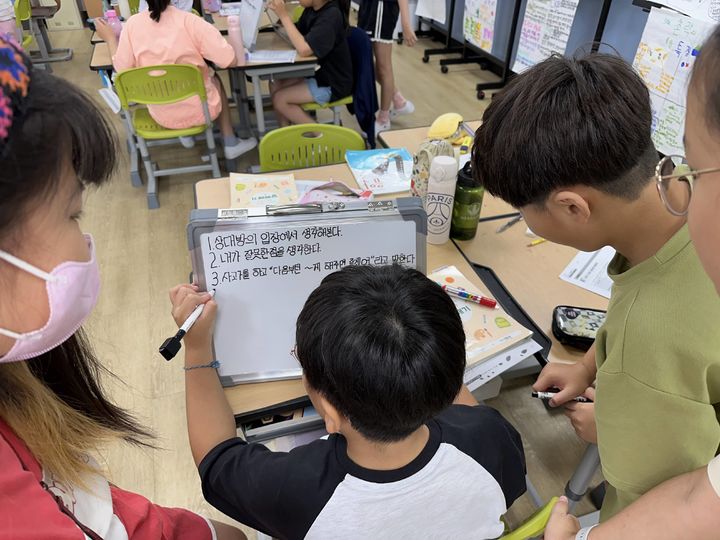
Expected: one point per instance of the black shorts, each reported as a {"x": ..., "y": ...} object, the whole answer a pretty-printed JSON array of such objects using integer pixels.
[{"x": 378, "y": 19}]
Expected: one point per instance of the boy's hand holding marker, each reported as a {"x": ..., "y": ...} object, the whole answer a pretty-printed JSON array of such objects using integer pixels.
[
  {"x": 198, "y": 340},
  {"x": 582, "y": 417}
]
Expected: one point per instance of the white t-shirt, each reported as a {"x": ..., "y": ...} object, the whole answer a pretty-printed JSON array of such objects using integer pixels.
[
  {"x": 714, "y": 474},
  {"x": 185, "y": 5}
]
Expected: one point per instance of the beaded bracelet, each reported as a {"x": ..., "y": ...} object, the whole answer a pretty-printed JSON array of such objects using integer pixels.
[{"x": 214, "y": 365}]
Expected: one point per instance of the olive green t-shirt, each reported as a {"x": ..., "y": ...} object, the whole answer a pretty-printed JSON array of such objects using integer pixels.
[{"x": 658, "y": 380}]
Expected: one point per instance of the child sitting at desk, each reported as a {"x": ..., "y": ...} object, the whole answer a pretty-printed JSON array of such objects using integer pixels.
[
  {"x": 167, "y": 35},
  {"x": 568, "y": 142},
  {"x": 321, "y": 31},
  {"x": 383, "y": 355}
]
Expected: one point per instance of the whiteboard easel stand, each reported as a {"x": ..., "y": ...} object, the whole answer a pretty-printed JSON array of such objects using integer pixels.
[
  {"x": 473, "y": 54},
  {"x": 448, "y": 48},
  {"x": 506, "y": 69}
]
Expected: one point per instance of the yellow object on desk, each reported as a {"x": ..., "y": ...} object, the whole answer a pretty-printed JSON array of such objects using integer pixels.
[{"x": 536, "y": 242}]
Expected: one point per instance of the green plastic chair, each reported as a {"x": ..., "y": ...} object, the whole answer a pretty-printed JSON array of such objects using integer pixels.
[
  {"x": 23, "y": 12},
  {"x": 335, "y": 106},
  {"x": 134, "y": 6},
  {"x": 307, "y": 145},
  {"x": 163, "y": 85},
  {"x": 534, "y": 526}
]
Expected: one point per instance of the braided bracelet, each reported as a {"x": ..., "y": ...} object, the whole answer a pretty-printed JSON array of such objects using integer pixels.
[{"x": 214, "y": 365}]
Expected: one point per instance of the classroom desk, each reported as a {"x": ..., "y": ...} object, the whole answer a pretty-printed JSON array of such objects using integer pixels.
[
  {"x": 410, "y": 138},
  {"x": 302, "y": 67},
  {"x": 531, "y": 276},
  {"x": 41, "y": 10},
  {"x": 251, "y": 398},
  {"x": 96, "y": 39},
  {"x": 100, "y": 59}
]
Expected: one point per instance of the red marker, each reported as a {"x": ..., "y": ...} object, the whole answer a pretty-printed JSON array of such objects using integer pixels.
[{"x": 469, "y": 297}]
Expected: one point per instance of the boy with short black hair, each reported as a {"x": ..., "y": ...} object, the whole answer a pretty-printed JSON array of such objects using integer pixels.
[
  {"x": 568, "y": 142},
  {"x": 383, "y": 356}
]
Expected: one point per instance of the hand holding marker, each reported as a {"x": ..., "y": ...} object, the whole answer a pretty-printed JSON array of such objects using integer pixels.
[{"x": 171, "y": 345}]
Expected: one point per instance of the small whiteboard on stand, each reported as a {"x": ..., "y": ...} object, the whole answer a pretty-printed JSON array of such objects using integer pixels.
[{"x": 264, "y": 263}]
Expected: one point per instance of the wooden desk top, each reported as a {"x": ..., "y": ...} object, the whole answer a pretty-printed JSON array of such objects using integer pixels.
[
  {"x": 246, "y": 398},
  {"x": 96, "y": 39},
  {"x": 531, "y": 275},
  {"x": 100, "y": 58},
  {"x": 269, "y": 40},
  {"x": 410, "y": 138}
]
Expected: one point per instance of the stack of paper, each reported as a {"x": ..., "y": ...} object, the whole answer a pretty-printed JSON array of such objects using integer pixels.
[{"x": 489, "y": 333}]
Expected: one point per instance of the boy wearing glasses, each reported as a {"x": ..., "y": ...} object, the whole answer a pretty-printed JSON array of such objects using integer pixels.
[{"x": 568, "y": 144}]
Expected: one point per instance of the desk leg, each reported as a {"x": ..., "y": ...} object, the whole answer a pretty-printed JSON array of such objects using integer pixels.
[
  {"x": 239, "y": 90},
  {"x": 64, "y": 54},
  {"x": 258, "y": 99},
  {"x": 578, "y": 484}
]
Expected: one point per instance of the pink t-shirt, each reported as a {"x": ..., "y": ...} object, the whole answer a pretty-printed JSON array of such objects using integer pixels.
[{"x": 178, "y": 38}]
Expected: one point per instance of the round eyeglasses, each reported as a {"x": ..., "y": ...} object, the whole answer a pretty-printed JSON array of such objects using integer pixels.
[{"x": 674, "y": 180}]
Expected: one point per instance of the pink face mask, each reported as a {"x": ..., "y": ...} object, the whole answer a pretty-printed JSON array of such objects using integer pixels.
[{"x": 72, "y": 289}]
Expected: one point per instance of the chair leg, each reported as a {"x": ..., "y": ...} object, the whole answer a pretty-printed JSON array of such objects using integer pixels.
[
  {"x": 336, "y": 116},
  {"x": 212, "y": 149},
  {"x": 152, "y": 198}
]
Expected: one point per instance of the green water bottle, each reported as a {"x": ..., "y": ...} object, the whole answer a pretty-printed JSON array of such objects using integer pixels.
[{"x": 468, "y": 202}]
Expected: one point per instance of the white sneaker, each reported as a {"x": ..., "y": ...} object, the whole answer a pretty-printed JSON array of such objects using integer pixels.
[
  {"x": 242, "y": 146},
  {"x": 408, "y": 108},
  {"x": 382, "y": 126},
  {"x": 187, "y": 142}
]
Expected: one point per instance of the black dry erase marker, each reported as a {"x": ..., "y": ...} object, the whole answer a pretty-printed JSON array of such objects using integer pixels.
[
  {"x": 172, "y": 345},
  {"x": 550, "y": 395}
]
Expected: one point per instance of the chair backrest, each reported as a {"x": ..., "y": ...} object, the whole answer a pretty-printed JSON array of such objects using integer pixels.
[
  {"x": 134, "y": 6},
  {"x": 533, "y": 526},
  {"x": 307, "y": 145},
  {"x": 296, "y": 13},
  {"x": 159, "y": 85},
  {"x": 22, "y": 10}
]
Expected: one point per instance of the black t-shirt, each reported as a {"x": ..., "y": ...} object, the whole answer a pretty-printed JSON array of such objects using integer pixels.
[
  {"x": 470, "y": 471},
  {"x": 325, "y": 32}
]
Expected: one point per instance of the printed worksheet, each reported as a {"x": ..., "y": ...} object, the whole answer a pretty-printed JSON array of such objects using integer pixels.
[
  {"x": 664, "y": 59},
  {"x": 545, "y": 30},
  {"x": 589, "y": 271}
]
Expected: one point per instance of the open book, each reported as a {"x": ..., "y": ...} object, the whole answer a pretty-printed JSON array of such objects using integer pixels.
[{"x": 488, "y": 331}]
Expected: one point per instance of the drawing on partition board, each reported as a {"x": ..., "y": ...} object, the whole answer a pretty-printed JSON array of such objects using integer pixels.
[
  {"x": 479, "y": 23},
  {"x": 545, "y": 30},
  {"x": 705, "y": 10},
  {"x": 664, "y": 59}
]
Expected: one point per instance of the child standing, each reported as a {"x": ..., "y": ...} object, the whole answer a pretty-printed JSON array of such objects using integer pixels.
[
  {"x": 578, "y": 160},
  {"x": 687, "y": 506},
  {"x": 379, "y": 18},
  {"x": 410, "y": 454},
  {"x": 54, "y": 413},
  {"x": 167, "y": 35},
  {"x": 321, "y": 31}
]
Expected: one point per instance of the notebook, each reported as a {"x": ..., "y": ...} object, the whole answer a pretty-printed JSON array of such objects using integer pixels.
[
  {"x": 488, "y": 331},
  {"x": 254, "y": 190},
  {"x": 381, "y": 171}
]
